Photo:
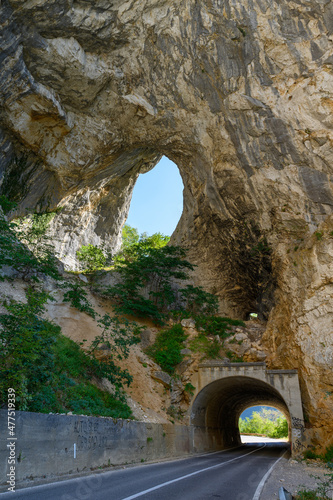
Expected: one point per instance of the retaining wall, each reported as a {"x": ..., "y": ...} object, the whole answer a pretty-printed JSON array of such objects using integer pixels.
[{"x": 48, "y": 444}]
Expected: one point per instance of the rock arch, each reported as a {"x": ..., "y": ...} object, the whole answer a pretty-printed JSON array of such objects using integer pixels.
[{"x": 239, "y": 95}]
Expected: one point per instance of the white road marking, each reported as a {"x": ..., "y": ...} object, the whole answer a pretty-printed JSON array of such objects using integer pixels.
[
  {"x": 262, "y": 482},
  {"x": 137, "y": 495}
]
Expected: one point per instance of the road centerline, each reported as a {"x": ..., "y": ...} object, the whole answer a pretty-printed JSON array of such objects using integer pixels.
[{"x": 162, "y": 485}]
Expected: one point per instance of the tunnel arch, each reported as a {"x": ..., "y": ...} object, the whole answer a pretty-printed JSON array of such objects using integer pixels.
[{"x": 218, "y": 406}]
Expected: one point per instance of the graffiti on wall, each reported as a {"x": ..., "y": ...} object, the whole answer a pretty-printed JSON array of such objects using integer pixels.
[
  {"x": 88, "y": 437},
  {"x": 297, "y": 430}
]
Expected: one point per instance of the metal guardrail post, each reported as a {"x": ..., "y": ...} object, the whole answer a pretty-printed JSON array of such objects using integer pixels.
[{"x": 284, "y": 494}]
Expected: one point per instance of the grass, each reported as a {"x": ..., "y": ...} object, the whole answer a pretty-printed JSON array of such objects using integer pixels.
[
  {"x": 209, "y": 348},
  {"x": 309, "y": 495}
]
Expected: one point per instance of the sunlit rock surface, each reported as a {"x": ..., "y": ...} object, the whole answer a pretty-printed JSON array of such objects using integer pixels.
[{"x": 239, "y": 94}]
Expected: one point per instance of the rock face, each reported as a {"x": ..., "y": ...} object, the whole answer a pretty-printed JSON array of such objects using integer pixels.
[{"x": 239, "y": 94}]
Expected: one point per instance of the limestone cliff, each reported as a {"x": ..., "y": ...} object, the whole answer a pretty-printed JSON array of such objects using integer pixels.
[{"x": 239, "y": 94}]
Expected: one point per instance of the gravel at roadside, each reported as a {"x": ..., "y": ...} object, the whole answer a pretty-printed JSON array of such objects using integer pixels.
[{"x": 292, "y": 475}]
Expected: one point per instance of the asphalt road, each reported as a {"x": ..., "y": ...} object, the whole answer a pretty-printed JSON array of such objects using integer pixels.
[{"x": 230, "y": 475}]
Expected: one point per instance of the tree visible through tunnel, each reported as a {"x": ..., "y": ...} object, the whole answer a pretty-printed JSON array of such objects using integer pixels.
[{"x": 266, "y": 421}]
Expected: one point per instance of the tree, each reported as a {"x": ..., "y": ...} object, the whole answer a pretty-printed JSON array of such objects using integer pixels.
[
  {"x": 27, "y": 340},
  {"x": 25, "y": 248},
  {"x": 145, "y": 265},
  {"x": 130, "y": 236},
  {"x": 91, "y": 257},
  {"x": 134, "y": 245}
]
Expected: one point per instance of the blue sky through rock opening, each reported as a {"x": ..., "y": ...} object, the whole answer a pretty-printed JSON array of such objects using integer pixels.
[{"x": 157, "y": 201}]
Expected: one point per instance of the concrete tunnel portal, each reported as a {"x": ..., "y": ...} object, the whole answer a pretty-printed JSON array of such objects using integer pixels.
[
  {"x": 220, "y": 404},
  {"x": 224, "y": 391}
]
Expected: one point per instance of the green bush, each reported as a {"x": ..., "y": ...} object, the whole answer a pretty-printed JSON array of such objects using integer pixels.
[
  {"x": 70, "y": 388},
  {"x": 216, "y": 325},
  {"x": 130, "y": 236},
  {"x": 309, "y": 495},
  {"x": 145, "y": 265},
  {"x": 6, "y": 204},
  {"x": 209, "y": 348},
  {"x": 27, "y": 348},
  {"x": 25, "y": 248},
  {"x": 198, "y": 301},
  {"x": 91, "y": 257},
  {"x": 166, "y": 349},
  {"x": 77, "y": 296},
  {"x": 310, "y": 454},
  {"x": 152, "y": 264},
  {"x": 50, "y": 372},
  {"x": 233, "y": 357},
  {"x": 328, "y": 455},
  {"x": 134, "y": 246}
]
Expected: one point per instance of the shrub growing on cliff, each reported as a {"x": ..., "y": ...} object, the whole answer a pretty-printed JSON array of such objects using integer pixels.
[
  {"x": 198, "y": 301},
  {"x": 135, "y": 245},
  {"x": 150, "y": 266},
  {"x": 166, "y": 349},
  {"x": 50, "y": 372},
  {"x": 27, "y": 348},
  {"x": 70, "y": 387},
  {"x": 146, "y": 265},
  {"x": 25, "y": 248},
  {"x": 91, "y": 257},
  {"x": 77, "y": 296},
  {"x": 216, "y": 325},
  {"x": 6, "y": 204}
]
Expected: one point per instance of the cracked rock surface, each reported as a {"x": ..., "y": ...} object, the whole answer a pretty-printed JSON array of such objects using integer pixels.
[{"x": 239, "y": 94}]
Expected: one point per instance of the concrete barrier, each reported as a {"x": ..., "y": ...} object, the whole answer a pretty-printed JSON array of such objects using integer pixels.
[{"x": 52, "y": 445}]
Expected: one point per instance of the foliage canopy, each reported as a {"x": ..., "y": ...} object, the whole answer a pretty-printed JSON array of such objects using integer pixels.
[
  {"x": 91, "y": 257},
  {"x": 270, "y": 423}
]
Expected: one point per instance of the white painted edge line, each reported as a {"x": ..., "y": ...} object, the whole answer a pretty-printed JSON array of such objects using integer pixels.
[
  {"x": 137, "y": 495},
  {"x": 83, "y": 477},
  {"x": 264, "y": 479}
]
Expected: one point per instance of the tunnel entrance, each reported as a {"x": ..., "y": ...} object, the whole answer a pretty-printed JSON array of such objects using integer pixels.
[
  {"x": 225, "y": 400},
  {"x": 224, "y": 391}
]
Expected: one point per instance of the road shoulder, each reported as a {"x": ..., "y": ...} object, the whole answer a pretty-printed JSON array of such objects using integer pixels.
[{"x": 292, "y": 475}]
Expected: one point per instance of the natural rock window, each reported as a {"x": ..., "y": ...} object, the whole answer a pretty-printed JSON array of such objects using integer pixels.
[{"x": 157, "y": 200}]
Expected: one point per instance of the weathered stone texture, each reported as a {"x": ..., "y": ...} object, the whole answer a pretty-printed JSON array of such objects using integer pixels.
[{"x": 238, "y": 93}]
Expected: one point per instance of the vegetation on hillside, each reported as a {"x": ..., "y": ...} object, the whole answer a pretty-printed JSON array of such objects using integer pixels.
[
  {"x": 166, "y": 349},
  {"x": 25, "y": 248},
  {"x": 324, "y": 488},
  {"x": 48, "y": 371}
]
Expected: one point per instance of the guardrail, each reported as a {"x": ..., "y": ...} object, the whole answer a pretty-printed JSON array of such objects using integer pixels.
[{"x": 284, "y": 494}]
